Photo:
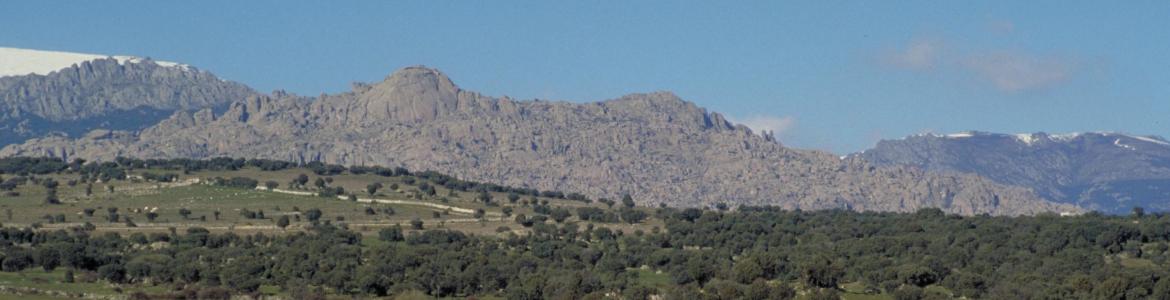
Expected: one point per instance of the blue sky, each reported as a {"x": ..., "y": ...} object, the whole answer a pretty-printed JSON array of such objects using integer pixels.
[{"x": 825, "y": 75}]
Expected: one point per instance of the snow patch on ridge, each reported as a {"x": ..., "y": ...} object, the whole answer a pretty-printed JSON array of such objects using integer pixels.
[
  {"x": 1064, "y": 137},
  {"x": 960, "y": 135},
  {"x": 20, "y": 62},
  {"x": 1151, "y": 140},
  {"x": 1117, "y": 142},
  {"x": 1026, "y": 138}
]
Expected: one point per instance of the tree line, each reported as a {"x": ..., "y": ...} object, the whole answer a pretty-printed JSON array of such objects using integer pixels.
[{"x": 119, "y": 168}]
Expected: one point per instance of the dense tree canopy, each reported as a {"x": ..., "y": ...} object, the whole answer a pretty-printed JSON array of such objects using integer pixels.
[{"x": 751, "y": 251}]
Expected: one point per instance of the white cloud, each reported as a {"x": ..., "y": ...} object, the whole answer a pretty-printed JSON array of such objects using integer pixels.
[
  {"x": 778, "y": 125},
  {"x": 1014, "y": 72},
  {"x": 921, "y": 54}
]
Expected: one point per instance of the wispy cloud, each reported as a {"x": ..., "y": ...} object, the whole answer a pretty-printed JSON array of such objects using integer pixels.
[
  {"x": 1015, "y": 72},
  {"x": 919, "y": 55},
  {"x": 1009, "y": 71},
  {"x": 777, "y": 125}
]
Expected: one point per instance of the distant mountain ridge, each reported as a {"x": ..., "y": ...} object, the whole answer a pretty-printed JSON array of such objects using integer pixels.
[
  {"x": 124, "y": 93},
  {"x": 22, "y": 62},
  {"x": 654, "y": 146},
  {"x": 1110, "y": 172}
]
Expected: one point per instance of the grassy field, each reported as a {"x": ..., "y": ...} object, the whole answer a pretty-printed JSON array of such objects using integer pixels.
[
  {"x": 219, "y": 208},
  {"x": 653, "y": 278},
  {"x": 54, "y": 281},
  {"x": 856, "y": 291}
]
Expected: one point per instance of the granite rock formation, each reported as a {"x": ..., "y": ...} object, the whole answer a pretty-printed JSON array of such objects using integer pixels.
[{"x": 655, "y": 146}]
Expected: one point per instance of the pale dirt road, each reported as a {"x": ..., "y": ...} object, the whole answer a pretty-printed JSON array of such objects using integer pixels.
[{"x": 453, "y": 209}]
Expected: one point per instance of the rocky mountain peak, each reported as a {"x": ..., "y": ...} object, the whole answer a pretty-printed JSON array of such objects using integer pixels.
[
  {"x": 664, "y": 107},
  {"x": 418, "y": 74},
  {"x": 411, "y": 94},
  {"x": 73, "y": 93},
  {"x": 414, "y": 83}
]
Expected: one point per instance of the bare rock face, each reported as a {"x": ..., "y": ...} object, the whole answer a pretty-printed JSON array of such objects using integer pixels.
[
  {"x": 656, "y": 147},
  {"x": 105, "y": 93},
  {"x": 414, "y": 94}
]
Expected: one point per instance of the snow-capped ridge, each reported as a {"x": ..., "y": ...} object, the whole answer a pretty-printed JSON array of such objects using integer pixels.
[
  {"x": 1031, "y": 139},
  {"x": 1064, "y": 137},
  {"x": 20, "y": 62},
  {"x": 1152, "y": 140},
  {"x": 1144, "y": 138}
]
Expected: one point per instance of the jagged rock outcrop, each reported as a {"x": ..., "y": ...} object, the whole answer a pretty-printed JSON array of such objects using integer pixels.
[
  {"x": 106, "y": 93},
  {"x": 654, "y": 146},
  {"x": 1109, "y": 172}
]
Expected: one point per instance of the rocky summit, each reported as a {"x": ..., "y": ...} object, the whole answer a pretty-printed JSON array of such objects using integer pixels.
[
  {"x": 1109, "y": 172},
  {"x": 656, "y": 147},
  {"x": 45, "y": 92}
]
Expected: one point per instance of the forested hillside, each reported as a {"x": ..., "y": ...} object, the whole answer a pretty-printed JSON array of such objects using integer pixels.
[{"x": 437, "y": 236}]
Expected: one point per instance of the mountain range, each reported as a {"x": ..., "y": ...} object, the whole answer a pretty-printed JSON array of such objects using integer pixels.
[
  {"x": 653, "y": 146},
  {"x": 1103, "y": 171},
  {"x": 48, "y": 92}
]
